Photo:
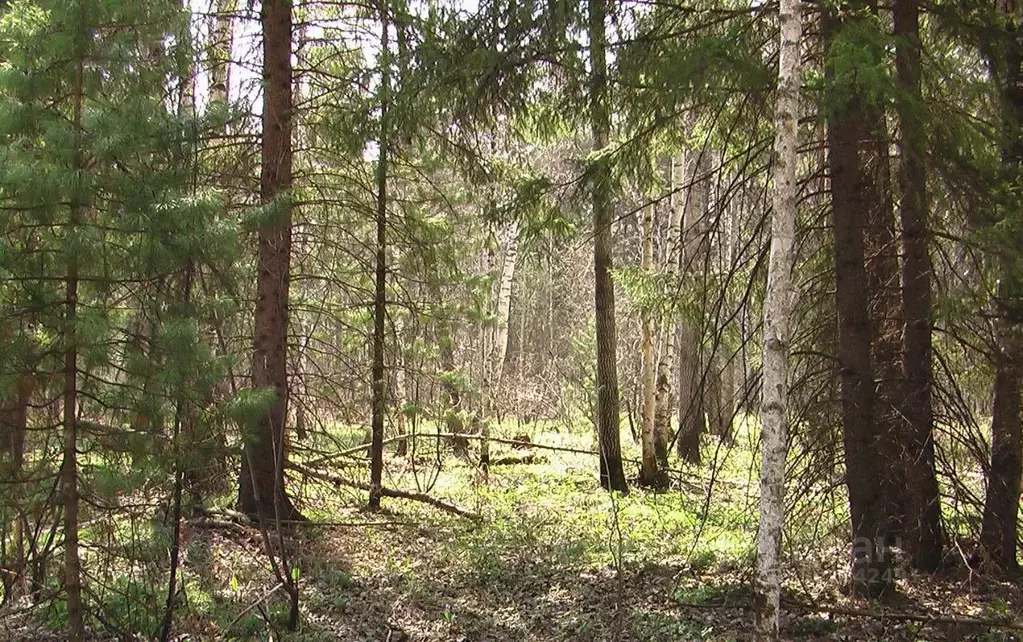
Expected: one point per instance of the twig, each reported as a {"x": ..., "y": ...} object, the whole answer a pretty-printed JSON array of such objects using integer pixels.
[
  {"x": 249, "y": 608},
  {"x": 352, "y": 451}
]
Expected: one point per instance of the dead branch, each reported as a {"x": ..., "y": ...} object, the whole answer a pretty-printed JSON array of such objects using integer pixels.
[
  {"x": 385, "y": 492},
  {"x": 1001, "y": 623}
]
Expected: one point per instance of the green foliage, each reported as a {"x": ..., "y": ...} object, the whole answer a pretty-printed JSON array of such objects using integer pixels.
[{"x": 250, "y": 406}]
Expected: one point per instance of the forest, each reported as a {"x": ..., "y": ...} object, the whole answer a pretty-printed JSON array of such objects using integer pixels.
[{"x": 379, "y": 320}]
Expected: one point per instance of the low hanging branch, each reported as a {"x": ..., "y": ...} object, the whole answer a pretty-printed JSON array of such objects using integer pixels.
[{"x": 385, "y": 492}]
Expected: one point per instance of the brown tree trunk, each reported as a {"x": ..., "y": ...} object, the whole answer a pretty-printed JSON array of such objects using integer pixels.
[
  {"x": 861, "y": 434},
  {"x": 883, "y": 287},
  {"x": 69, "y": 468},
  {"x": 1001, "y": 505},
  {"x": 999, "y": 530},
  {"x": 376, "y": 450},
  {"x": 693, "y": 376},
  {"x": 612, "y": 476},
  {"x": 922, "y": 514},
  {"x": 13, "y": 428},
  {"x": 261, "y": 483}
]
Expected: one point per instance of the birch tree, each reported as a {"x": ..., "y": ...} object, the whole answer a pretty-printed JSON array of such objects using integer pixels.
[{"x": 777, "y": 314}]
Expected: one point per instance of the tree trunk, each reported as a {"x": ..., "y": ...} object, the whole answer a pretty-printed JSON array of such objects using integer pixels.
[
  {"x": 999, "y": 530},
  {"x": 69, "y": 469},
  {"x": 883, "y": 286},
  {"x": 664, "y": 401},
  {"x": 400, "y": 389},
  {"x": 922, "y": 510},
  {"x": 261, "y": 484},
  {"x": 778, "y": 304},
  {"x": 651, "y": 473},
  {"x": 692, "y": 397},
  {"x": 13, "y": 428},
  {"x": 223, "y": 38},
  {"x": 1001, "y": 505},
  {"x": 499, "y": 341},
  {"x": 376, "y": 450},
  {"x": 861, "y": 434},
  {"x": 612, "y": 476}
]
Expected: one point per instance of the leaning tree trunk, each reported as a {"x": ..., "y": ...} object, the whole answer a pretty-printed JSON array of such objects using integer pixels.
[
  {"x": 861, "y": 434},
  {"x": 922, "y": 509},
  {"x": 612, "y": 476},
  {"x": 261, "y": 483},
  {"x": 999, "y": 530},
  {"x": 778, "y": 304}
]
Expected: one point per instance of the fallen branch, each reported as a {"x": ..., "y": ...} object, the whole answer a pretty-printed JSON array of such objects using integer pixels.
[
  {"x": 385, "y": 492},
  {"x": 1001, "y": 623}
]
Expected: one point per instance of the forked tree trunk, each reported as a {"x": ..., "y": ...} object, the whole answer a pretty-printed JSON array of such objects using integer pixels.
[
  {"x": 651, "y": 473},
  {"x": 861, "y": 434},
  {"x": 778, "y": 304},
  {"x": 612, "y": 476},
  {"x": 922, "y": 501},
  {"x": 261, "y": 483}
]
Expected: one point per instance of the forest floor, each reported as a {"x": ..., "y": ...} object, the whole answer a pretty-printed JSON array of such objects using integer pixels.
[{"x": 553, "y": 558}]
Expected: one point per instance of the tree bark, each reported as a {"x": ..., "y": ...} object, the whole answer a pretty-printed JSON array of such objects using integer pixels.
[
  {"x": 886, "y": 315},
  {"x": 999, "y": 524},
  {"x": 664, "y": 401},
  {"x": 778, "y": 305},
  {"x": 499, "y": 340},
  {"x": 612, "y": 475},
  {"x": 922, "y": 516},
  {"x": 862, "y": 436},
  {"x": 376, "y": 451},
  {"x": 69, "y": 468},
  {"x": 261, "y": 483},
  {"x": 223, "y": 38},
  {"x": 692, "y": 389},
  {"x": 651, "y": 474},
  {"x": 13, "y": 428}
]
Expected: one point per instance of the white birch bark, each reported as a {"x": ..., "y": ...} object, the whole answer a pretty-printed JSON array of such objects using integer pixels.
[
  {"x": 778, "y": 306},
  {"x": 669, "y": 335},
  {"x": 650, "y": 474},
  {"x": 499, "y": 345}
]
